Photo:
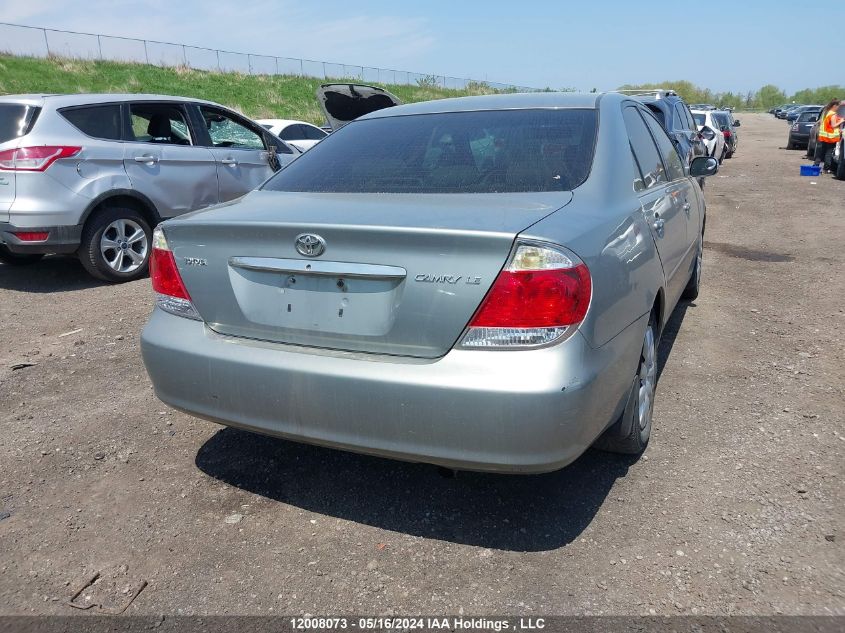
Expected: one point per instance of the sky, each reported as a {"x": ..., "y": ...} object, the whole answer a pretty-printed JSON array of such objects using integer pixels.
[{"x": 737, "y": 46}]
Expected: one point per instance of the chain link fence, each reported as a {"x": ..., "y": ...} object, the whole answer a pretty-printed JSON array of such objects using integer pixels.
[{"x": 31, "y": 41}]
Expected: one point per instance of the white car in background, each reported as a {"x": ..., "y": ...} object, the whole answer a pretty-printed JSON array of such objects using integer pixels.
[
  {"x": 711, "y": 133},
  {"x": 303, "y": 136}
]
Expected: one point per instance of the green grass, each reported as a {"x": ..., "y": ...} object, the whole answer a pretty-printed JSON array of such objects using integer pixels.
[{"x": 257, "y": 96}]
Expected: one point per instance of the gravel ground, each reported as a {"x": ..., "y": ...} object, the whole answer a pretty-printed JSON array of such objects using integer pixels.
[{"x": 737, "y": 506}]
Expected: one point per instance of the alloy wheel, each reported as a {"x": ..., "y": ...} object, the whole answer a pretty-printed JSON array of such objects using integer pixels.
[
  {"x": 124, "y": 246},
  {"x": 648, "y": 379}
]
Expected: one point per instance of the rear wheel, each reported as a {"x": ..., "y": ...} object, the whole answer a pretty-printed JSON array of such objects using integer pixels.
[
  {"x": 691, "y": 291},
  {"x": 630, "y": 434},
  {"x": 116, "y": 245},
  {"x": 840, "y": 166},
  {"x": 14, "y": 259}
]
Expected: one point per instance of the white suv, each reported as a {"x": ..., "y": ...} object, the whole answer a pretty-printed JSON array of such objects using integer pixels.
[
  {"x": 93, "y": 174},
  {"x": 711, "y": 132}
]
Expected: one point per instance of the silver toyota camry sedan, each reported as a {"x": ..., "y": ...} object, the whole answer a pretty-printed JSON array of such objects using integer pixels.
[{"x": 478, "y": 283}]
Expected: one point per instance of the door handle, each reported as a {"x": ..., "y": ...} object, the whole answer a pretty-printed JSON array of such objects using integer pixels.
[
  {"x": 687, "y": 207},
  {"x": 229, "y": 161},
  {"x": 658, "y": 226},
  {"x": 146, "y": 159}
]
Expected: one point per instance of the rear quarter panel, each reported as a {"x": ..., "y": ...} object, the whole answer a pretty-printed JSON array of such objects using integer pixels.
[{"x": 604, "y": 225}]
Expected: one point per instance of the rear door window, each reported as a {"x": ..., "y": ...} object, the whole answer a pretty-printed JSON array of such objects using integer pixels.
[
  {"x": 674, "y": 165},
  {"x": 645, "y": 151},
  {"x": 98, "y": 121},
  {"x": 16, "y": 120},
  {"x": 673, "y": 162},
  {"x": 159, "y": 123},
  {"x": 681, "y": 116}
]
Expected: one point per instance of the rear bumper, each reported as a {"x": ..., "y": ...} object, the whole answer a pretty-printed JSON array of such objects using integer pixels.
[
  {"x": 60, "y": 239},
  {"x": 528, "y": 411}
]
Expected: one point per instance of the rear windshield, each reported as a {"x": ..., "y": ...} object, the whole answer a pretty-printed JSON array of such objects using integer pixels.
[
  {"x": 808, "y": 116},
  {"x": 699, "y": 118},
  {"x": 457, "y": 152},
  {"x": 16, "y": 120}
]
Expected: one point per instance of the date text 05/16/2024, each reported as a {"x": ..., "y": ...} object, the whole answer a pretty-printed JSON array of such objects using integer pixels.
[{"x": 317, "y": 623}]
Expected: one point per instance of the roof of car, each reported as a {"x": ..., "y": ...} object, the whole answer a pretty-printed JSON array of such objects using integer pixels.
[
  {"x": 516, "y": 101},
  {"x": 64, "y": 100}
]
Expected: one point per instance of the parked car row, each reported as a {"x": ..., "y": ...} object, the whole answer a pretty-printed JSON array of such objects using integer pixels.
[
  {"x": 804, "y": 132},
  {"x": 801, "y": 127},
  {"x": 718, "y": 128}
]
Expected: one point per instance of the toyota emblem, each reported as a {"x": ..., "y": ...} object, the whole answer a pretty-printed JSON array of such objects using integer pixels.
[{"x": 310, "y": 245}]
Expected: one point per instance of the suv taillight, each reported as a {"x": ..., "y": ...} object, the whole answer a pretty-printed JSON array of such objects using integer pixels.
[
  {"x": 171, "y": 294},
  {"x": 37, "y": 158},
  {"x": 542, "y": 292}
]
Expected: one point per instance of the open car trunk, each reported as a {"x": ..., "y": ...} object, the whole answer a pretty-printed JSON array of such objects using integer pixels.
[
  {"x": 399, "y": 274},
  {"x": 343, "y": 103}
]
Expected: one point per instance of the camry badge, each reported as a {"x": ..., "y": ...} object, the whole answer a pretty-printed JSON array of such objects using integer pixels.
[{"x": 310, "y": 245}]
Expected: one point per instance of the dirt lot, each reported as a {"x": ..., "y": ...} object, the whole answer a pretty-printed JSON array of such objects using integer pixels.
[{"x": 736, "y": 507}]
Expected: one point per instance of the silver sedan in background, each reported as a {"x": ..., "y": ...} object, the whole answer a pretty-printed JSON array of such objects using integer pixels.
[{"x": 482, "y": 288}]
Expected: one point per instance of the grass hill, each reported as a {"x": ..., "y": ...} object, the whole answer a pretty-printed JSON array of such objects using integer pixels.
[{"x": 257, "y": 96}]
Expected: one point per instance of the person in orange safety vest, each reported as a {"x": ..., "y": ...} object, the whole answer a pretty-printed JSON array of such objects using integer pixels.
[{"x": 829, "y": 135}]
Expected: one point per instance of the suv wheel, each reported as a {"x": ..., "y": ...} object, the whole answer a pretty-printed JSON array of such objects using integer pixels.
[
  {"x": 840, "y": 165},
  {"x": 14, "y": 259},
  {"x": 116, "y": 245}
]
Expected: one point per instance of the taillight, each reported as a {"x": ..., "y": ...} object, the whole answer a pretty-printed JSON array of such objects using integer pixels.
[
  {"x": 727, "y": 133},
  {"x": 795, "y": 127},
  {"x": 31, "y": 236},
  {"x": 542, "y": 292},
  {"x": 37, "y": 158},
  {"x": 171, "y": 294}
]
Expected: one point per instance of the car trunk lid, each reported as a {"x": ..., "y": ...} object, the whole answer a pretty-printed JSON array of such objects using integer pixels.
[
  {"x": 400, "y": 274},
  {"x": 343, "y": 103}
]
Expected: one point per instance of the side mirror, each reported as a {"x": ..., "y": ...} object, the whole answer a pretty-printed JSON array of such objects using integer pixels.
[
  {"x": 736, "y": 123},
  {"x": 703, "y": 166}
]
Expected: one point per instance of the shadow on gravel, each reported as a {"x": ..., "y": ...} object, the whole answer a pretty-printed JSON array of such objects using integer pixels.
[
  {"x": 506, "y": 512},
  {"x": 51, "y": 274},
  {"x": 669, "y": 334}
]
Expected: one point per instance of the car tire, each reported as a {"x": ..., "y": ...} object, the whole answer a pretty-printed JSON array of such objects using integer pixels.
[
  {"x": 839, "y": 174},
  {"x": 630, "y": 434},
  {"x": 16, "y": 259},
  {"x": 690, "y": 292},
  {"x": 116, "y": 245}
]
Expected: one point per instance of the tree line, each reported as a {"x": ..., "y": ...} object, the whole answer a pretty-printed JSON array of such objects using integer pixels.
[{"x": 765, "y": 98}]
